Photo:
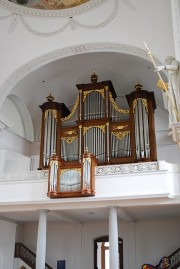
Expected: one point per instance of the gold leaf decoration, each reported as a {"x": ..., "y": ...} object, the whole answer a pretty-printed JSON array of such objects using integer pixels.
[
  {"x": 120, "y": 110},
  {"x": 143, "y": 100},
  {"x": 119, "y": 127},
  {"x": 120, "y": 135},
  {"x": 85, "y": 93},
  {"x": 85, "y": 129},
  {"x": 73, "y": 110},
  {"x": 62, "y": 171},
  {"x": 53, "y": 111},
  {"x": 69, "y": 139}
]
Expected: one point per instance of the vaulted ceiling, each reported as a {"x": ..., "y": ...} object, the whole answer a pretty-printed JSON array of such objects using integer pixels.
[{"x": 61, "y": 76}]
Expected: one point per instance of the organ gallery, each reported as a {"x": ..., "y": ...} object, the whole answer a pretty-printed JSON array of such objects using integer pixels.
[{"x": 95, "y": 132}]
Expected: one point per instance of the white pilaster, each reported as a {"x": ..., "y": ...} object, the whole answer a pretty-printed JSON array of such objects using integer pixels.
[
  {"x": 113, "y": 239},
  {"x": 175, "y": 10},
  {"x": 41, "y": 240}
]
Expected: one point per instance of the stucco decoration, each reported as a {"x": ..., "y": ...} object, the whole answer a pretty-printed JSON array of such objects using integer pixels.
[
  {"x": 100, "y": 171},
  {"x": 71, "y": 21},
  {"x": 31, "y": 66},
  {"x": 27, "y": 175},
  {"x": 126, "y": 168}
]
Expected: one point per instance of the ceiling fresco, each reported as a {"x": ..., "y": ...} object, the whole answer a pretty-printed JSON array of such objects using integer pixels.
[{"x": 50, "y": 4}]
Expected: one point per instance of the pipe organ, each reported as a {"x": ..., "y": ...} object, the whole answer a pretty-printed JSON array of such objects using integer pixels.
[{"x": 96, "y": 124}]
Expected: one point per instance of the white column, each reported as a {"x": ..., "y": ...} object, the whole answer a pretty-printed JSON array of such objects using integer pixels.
[
  {"x": 113, "y": 239},
  {"x": 41, "y": 240},
  {"x": 175, "y": 11}
]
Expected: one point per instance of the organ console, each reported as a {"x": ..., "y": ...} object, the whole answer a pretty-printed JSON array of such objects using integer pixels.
[{"x": 95, "y": 132}]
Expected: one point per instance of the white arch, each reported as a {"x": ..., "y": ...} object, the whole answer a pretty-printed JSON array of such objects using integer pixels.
[
  {"x": 31, "y": 66},
  {"x": 20, "y": 117}
]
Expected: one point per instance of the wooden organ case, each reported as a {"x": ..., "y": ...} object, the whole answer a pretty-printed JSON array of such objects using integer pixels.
[{"x": 96, "y": 132}]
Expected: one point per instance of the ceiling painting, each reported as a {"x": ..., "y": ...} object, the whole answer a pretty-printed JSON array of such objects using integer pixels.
[{"x": 50, "y": 4}]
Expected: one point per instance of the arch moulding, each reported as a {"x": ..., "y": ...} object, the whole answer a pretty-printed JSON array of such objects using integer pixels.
[{"x": 31, "y": 66}]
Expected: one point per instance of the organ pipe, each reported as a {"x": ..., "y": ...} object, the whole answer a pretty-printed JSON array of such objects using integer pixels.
[
  {"x": 142, "y": 106},
  {"x": 112, "y": 134},
  {"x": 96, "y": 131},
  {"x": 52, "y": 112}
]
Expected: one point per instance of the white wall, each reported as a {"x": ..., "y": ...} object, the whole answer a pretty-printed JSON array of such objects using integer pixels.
[
  {"x": 7, "y": 243},
  {"x": 75, "y": 242},
  {"x": 133, "y": 24},
  {"x": 155, "y": 239},
  {"x": 18, "y": 263},
  {"x": 143, "y": 241},
  {"x": 169, "y": 153}
]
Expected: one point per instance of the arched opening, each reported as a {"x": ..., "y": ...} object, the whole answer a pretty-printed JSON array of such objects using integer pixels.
[
  {"x": 101, "y": 252},
  {"x": 16, "y": 112}
]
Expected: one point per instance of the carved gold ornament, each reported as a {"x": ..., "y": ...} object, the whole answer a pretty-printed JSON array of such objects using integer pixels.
[
  {"x": 70, "y": 132},
  {"x": 53, "y": 111},
  {"x": 143, "y": 100},
  {"x": 85, "y": 93},
  {"x": 62, "y": 171},
  {"x": 120, "y": 110},
  {"x": 73, "y": 110},
  {"x": 85, "y": 129},
  {"x": 69, "y": 139},
  {"x": 120, "y": 135},
  {"x": 119, "y": 127}
]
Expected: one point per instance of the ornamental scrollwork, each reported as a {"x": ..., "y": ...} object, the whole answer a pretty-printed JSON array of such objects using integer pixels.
[
  {"x": 143, "y": 100},
  {"x": 120, "y": 135}
]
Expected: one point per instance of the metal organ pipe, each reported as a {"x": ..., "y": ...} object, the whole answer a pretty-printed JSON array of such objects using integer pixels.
[
  {"x": 86, "y": 173},
  {"x": 94, "y": 140},
  {"x": 141, "y": 129},
  {"x": 49, "y": 137},
  {"x": 93, "y": 106},
  {"x": 53, "y": 175}
]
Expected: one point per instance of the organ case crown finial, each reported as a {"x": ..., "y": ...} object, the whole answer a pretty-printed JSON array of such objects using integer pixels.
[
  {"x": 94, "y": 77},
  {"x": 50, "y": 98}
]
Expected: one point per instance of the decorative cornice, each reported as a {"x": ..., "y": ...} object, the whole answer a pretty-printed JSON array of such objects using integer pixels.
[
  {"x": 22, "y": 10},
  {"x": 100, "y": 171},
  {"x": 24, "y": 176},
  {"x": 127, "y": 168}
]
